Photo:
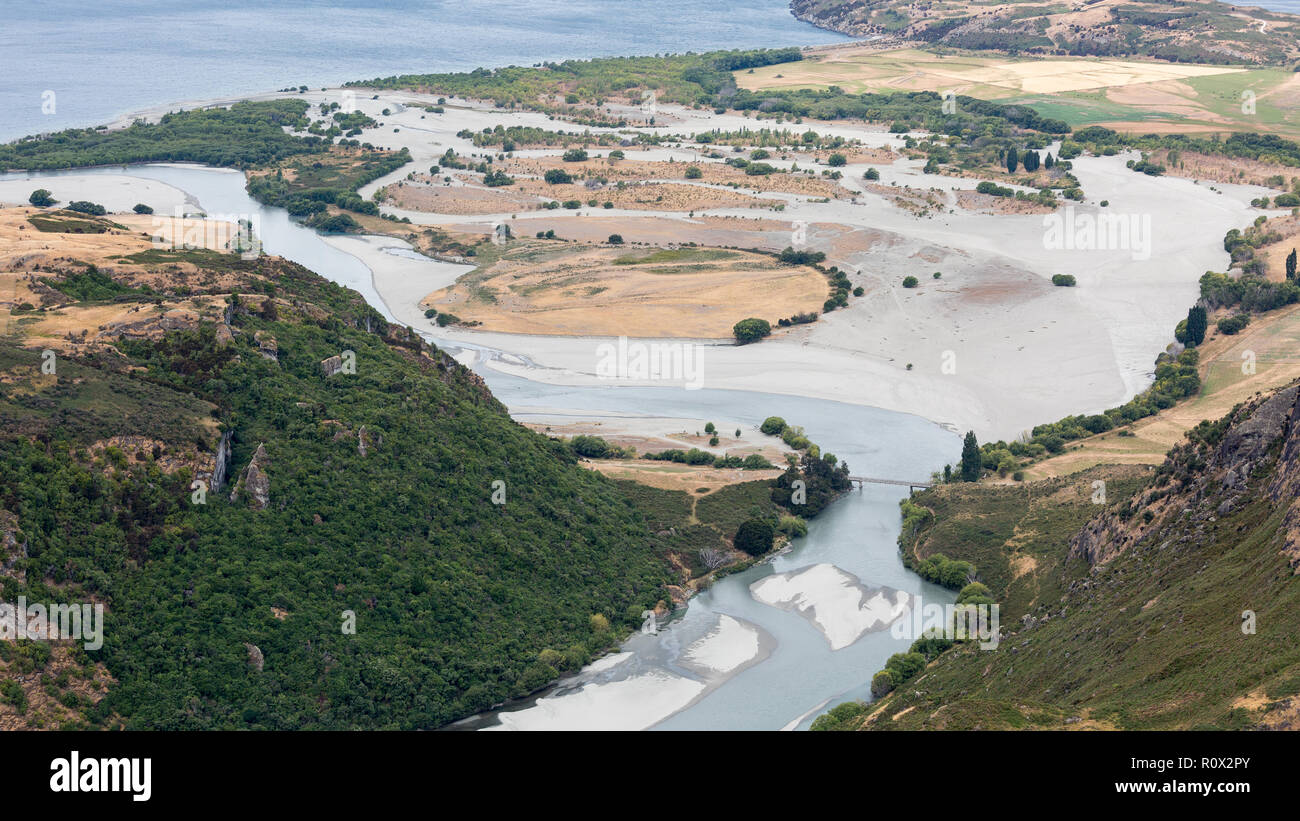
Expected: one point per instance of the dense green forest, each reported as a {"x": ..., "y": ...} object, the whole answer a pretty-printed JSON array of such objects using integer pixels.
[
  {"x": 380, "y": 502},
  {"x": 246, "y": 135},
  {"x": 678, "y": 78}
]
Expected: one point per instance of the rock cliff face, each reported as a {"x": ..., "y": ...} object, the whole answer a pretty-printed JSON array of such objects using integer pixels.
[
  {"x": 221, "y": 462},
  {"x": 1284, "y": 490},
  {"x": 255, "y": 480},
  {"x": 1210, "y": 476}
]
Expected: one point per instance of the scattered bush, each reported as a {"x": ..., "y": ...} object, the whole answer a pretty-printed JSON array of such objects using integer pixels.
[
  {"x": 751, "y": 330},
  {"x": 86, "y": 207},
  {"x": 773, "y": 426},
  {"x": 1233, "y": 324},
  {"x": 754, "y": 537}
]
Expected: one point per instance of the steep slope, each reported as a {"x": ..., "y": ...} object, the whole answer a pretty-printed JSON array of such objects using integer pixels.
[
  {"x": 1180, "y": 608},
  {"x": 349, "y": 472},
  {"x": 1197, "y": 31}
]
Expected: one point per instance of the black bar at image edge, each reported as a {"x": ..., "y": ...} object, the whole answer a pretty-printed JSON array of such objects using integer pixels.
[{"x": 305, "y": 769}]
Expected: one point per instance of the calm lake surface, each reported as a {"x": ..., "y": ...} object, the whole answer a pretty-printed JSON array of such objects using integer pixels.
[
  {"x": 801, "y": 676},
  {"x": 104, "y": 60}
]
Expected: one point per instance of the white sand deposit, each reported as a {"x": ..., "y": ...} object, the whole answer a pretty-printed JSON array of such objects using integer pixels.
[
  {"x": 630, "y": 704},
  {"x": 833, "y": 600},
  {"x": 401, "y": 276},
  {"x": 118, "y": 193},
  {"x": 728, "y": 646}
]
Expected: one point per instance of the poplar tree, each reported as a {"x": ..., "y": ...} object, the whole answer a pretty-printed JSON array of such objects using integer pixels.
[
  {"x": 972, "y": 463},
  {"x": 1197, "y": 322}
]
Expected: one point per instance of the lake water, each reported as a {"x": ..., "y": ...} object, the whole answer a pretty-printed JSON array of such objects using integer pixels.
[
  {"x": 801, "y": 674},
  {"x": 103, "y": 60}
]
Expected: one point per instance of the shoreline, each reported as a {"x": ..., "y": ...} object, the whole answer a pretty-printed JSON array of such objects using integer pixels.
[{"x": 1080, "y": 350}]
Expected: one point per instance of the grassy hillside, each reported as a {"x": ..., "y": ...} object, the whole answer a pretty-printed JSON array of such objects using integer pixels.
[
  {"x": 1138, "y": 620},
  {"x": 1017, "y": 536}
]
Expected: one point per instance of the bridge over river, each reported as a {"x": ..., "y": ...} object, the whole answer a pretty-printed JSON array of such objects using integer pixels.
[{"x": 861, "y": 480}]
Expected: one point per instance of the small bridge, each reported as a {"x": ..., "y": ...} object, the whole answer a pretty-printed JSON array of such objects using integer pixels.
[{"x": 862, "y": 480}]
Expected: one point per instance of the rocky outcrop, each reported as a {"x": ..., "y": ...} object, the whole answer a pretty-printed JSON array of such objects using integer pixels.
[
  {"x": 11, "y": 550},
  {"x": 151, "y": 325},
  {"x": 332, "y": 365},
  {"x": 1207, "y": 478},
  {"x": 267, "y": 346},
  {"x": 255, "y": 481},
  {"x": 213, "y": 469},
  {"x": 1284, "y": 489},
  {"x": 221, "y": 462},
  {"x": 255, "y": 658}
]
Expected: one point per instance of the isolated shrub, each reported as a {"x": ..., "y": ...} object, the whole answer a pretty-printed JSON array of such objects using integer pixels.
[
  {"x": 86, "y": 207},
  {"x": 773, "y": 426},
  {"x": 754, "y": 537},
  {"x": 592, "y": 447},
  {"x": 751, "y": 330},
  {"x": 881, "y": 684},
  {"x": 904, "y": 666},
  {"x": 1233, "y": 324},
  {"x": 792, "y": 526}
]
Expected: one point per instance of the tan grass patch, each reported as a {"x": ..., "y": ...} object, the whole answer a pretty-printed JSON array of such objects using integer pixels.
[{"x": 588, "y": 292}]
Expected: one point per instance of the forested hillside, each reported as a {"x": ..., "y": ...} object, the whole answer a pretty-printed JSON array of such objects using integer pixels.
[{"x": 375, "y": 460}]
